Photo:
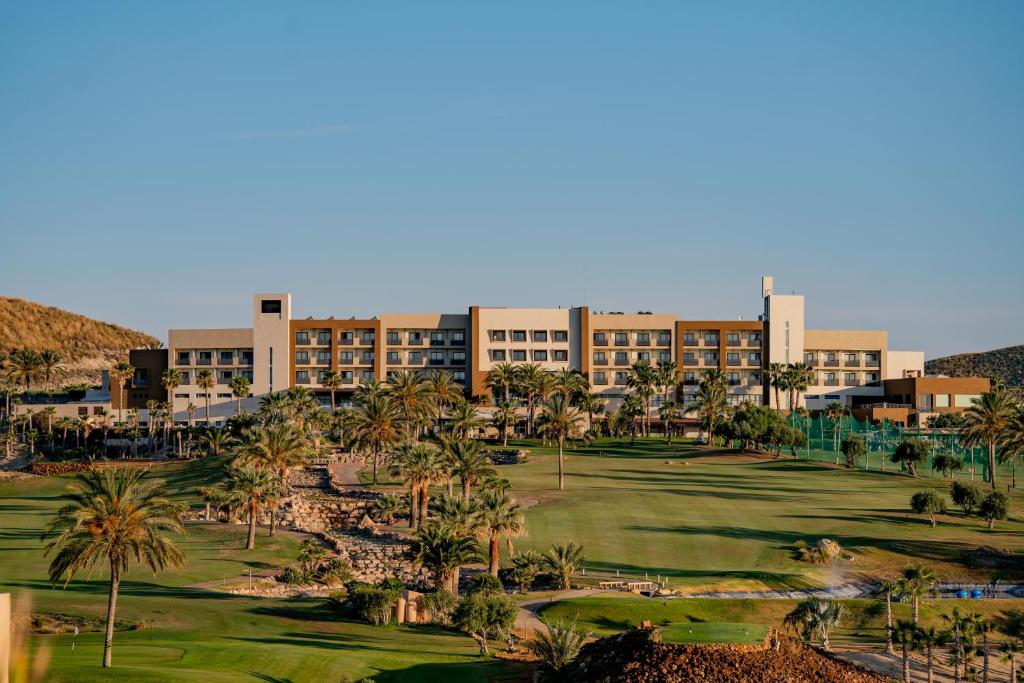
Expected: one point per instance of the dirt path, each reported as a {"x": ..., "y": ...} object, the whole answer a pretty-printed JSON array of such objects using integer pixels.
[
  {"x": 346, "y": 474},
  {"x": 874, "y": 658}
]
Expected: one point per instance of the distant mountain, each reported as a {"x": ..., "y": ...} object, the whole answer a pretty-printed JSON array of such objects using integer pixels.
[
  {"x": 86, "y": 346},
  {"x": 1005, "y": 364}
]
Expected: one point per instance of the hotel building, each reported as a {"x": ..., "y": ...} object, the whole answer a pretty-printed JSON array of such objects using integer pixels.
[{"x": 280, "y": 351}]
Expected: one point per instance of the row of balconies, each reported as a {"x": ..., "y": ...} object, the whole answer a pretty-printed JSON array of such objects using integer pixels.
[
  {"x": 195, "y": 358},
  {"x": 716, "y": 341},
  {"x": 625, "y": 343}
]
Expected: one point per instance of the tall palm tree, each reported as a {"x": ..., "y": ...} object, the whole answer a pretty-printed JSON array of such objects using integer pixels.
[
  {"x": 205, "y": 380},
  {"x": 23, "y": 366},
  {"x": 561, "y": 422},
  {"x": 217, "y": 440},
  {"x": 1009, "y": 651},
  {"x": 631, "y": 409},
  {"x": 569, "y": 382},
  {"x": 277, "y": 448},
  {"x": 961, "y": 629},
  {"x": 411, "y": 397},
  {"x": 419, "y": 465},
  {"x": 835, "y": 412},
  {"x": 331, "y": 381},
  {"x": 112, "y": 516},
  {"x": 928, "y": 639},
  {"x": 815, "y": 617},
  {"x": 643, "y": 380},
  {"x": 800, "y": 377},
  {"x": 376, "y": 427},
  {"x": 368, "y": 389},
  {"x": 171, "y": 379},
  {"x": 986, "y": 422},
  {"x": 443, "y": 551},
  {"x": 239, "y": 386},
  {"x": 501, "y": 378},
  {"x": 710, "y": 402},
  {"x": 464, "y": 419},
  {"x": 669, "y": 412},
  {"x": 122, "y": 374},
  {"x": 49, "y": 362},
  {"x": 776, "y": 380},
  {"x": 250, "y": 488},
  {"x": 500, "y": 517},
  {"x": 460, "y": 516},
  {"x": 443, "y": 390},
  {"x": 531, "y": 383},
  {"x": 906, "y": 635},
  {"x": 591, "y": 404},
  {"x": 504, "y": 418},
  {"x": 563, "y": 561},
  {"x": 669, "y": 376},
  {"x": 889, "y": 588},
  {"x": 917, "y": 582},
  {"x": 468, "y": 462}
]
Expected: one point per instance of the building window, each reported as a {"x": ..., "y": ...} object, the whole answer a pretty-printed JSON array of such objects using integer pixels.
[
  {"x": 518, "y": 355},
  {"x": 270, "y": 306},
  {"x": 941, "y": 401},
  {"x": 540, "y": 354},
  {"x": 965, "y": 400},
  {"x": 665, "y": 338},
  {"x": 369, "y": 336},
  {"x": 689, "y": 378},
  {"x": 755, "y": 378},
  {"x": 754, "y": 337},
  {"x": 347, "y": 337},
  {"x": 621, "y": 358},
  {"x": 302, "y": 357},
  {"x": 622, "y": 339},
  {"x": 345, "y": 358},
  {"x": 225, "y": 376},
  {"x": 732, "y": 358},
  {"x": 710, "y": 357},
  {"x": 415, "y": 357},
  {"x": 459, "y": 357},
  {"x": 367, "y": 375},
  {"x": 302, "y": 337},
  {"x": 323, "y": 337},
  {"x": 643, "y": 357},
  {"x": 518, "y": 335},
  {"x": 205, "y": 357},
  {"x": 732, "y": 338},
  {"x": 809, "y": 358},
  {"x": 247, "y": 374},
  {"x": 689, "y": 338},
  {"x": 323, "y": 357},
  {"x": 183, "y": 358},
  {"x": 393, "y": 357},
  {"x": 734, "y": 379},
  {"x": 600, "y": 378},
  {"x": 830, "y": 357},
  {"x": 600, "y": 338},
  {"x": 851, "y": 358},
  {"x": 437, "y": 338},
  {"x": 689, "y": 358},
  {"x": 664, "y": 356},
  {"x": 600, "y": 358},
  {"x": 498, "y": 335},
  {"x": 620, "y": 378},
  {"x": 561, "y": 355},
  {"x": 459, "y": 337},
  {"x": 754, "y": 358},
  {"x": 872, "y": 376},
  {"x": 346, "y": 377},
  {"x": 369, "y": 356},
  {"x": 643, "y": 338},
  {"x": 225, "y": 395},
  {"x": 459, "y": 376},
  {"x": 850, "y": 377},
  {"x": 226, "y": 357},
  {"x": 415, "y": 337},
  {"x": 393, "y": 338},
  {"x": 540, "y": 335},
  {"x": 437, "y": 357},
  {"x": 561, "y": 335},
  {"x": 141, "y": 378},
  {"x": 302, "y": 376},
  {"x": 245, "y": 357},
  {"x": 186, "y": 377},
  {"x": 711, "y": 338},
  {"x": 498, "y": 355},
  {"x": 871, "y": 357}
]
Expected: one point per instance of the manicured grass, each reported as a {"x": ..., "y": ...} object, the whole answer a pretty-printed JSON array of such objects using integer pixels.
[
  {"x": 192, "y": 632},
  {"x": 713, "y": 632}
]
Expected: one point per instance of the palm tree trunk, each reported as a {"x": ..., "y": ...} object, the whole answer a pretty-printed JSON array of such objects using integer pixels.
[
  {"x": 561, "y": 469},
  {"x": 992, "y": 463},
  {"x": 466, "y": 486},
  {"x": 207, "y": 407},
  {"x": 906, "y": 664},
  {"x": 108, "y": 640},
  {"x": 917, "y": 601},
  {"x": 984, "y": 657},
  {"x": 238, "y": 405},
  {"x": 424, "y": 501},
  {"x": 273, "y": 519},
  {"x": 888, "y": 624},
  {"x": 492, "y": 566},
  {"x": 414, "y": 508},
  {"x": 931, "y": 667},
  {"x": 375, "y": 468},
  {"x": 251, "y": 542},
  {"x": 207, "y": 511}
]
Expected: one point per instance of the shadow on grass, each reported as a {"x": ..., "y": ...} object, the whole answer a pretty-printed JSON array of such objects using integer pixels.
[
  {"x": 132, "y": 588},
  {"x": 774, "y": 580}
]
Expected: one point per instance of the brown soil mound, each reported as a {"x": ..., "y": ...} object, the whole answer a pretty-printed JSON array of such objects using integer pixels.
[{"x": 638, "y": 657}]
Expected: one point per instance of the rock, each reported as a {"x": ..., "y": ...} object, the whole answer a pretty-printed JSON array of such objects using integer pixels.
[
  {"x": 367, "y": 523},
  {"x": 829, "y": 549}
]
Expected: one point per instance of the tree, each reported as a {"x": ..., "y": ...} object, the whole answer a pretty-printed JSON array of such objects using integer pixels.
[
  {"x": 927, "y": 503},
  {"x": 625, "y": 419},
  {"x": 217, "y": 440},
  {"x": 23, "y": 366},
  {"x": 563, "y": 561},
  {"x": 460, "y": 516},
  {"x": 965, "y": 496},
  {"x": 331, "y": 380},
  {"x": 799, "y": 376},
  {"x": 525, "y": 567},
  {"x": 561, "y": 421},
  {"x": 889, "y": 588},
  {"x": 987, "y": 422},
  {"x": 853, "y": 448},
  {"x": 468, "y": 462},
  {"x": 278, "y": 447},
  {"x": 668, "y": 377},
  {"x": 911, "y": 453},
  {"x": 928, "y": 639},
  {"x": 387, "y": 507},
  {"x": 643, "y": 379},
  {"x": 995, "y": 506},
  {"x": 906, "y": 635},
  {"x": 504, "y": 418},
  {"x": 442, "y": 390},
  {"x": 917, "y": 582},
  {"x": 49, "y": 362},
  {"x": 500, "y": 517},
  {"x": 443, "y": 551},
  {"x": 946, "y": 464},
  {"x": 239, "y": 386},
  {"x": 591, "y": 404},
  {"x": 500, "y": 380},
  {"x": 251, "y": 488},
  {"x": 669, "y": 412},
  {"x": 557, "y": 645},
  {"x": 121, "y": 373},
  {"x": 961, "y": 633},
  {"x": 205, "y": 380},
  {"x": 376, "y": 427},
  {"x": 483, "y": 614},
  {"x": 815, "y": 618},
  {"x": 311, "y": 556},
  {"x": 835, "y": 412},
  {"x": 419, "y": 465},
  {"x": 113, "y": 516},
  {"x": 411, "y": 396},
  {"x": 710, "y": 402},
  {"x": 463, "y": 418},
  {"x": 777, "y": 378},
  {"x": 1010, "y": 650},
  {"x": 171, "y": 379},
  {"x": 213, "y": 496},
  {"x": 531, "y": 383}
]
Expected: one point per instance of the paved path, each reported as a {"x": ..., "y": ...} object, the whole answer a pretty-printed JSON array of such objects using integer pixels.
[
  {"x": 854, "y": 590},
  {"x": 346, "y": 474},
  {"x": 527, "y": 620}
]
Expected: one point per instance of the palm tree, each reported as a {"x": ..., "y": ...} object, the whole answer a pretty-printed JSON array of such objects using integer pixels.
[
  {"x": 835, "y": 413},
  {"x": 468, "y": 462},
  {"x": 171, "y": 379},
  {"x": 928, "y": 639},
  {"x": 463, "y": 418},
  {"x": 460, "y": 516},
  {"x": 1010, "y": 650},
  {"x": 500, "y": 516},
  {"x": 443, "y": 551},
  {"x": 277, "y": 448},
  {"x": 568, "y": 382},
  {"x": 590, "y": 403},
  {"x": 561, "y": 422},
  {"x": 917, "y": 582},
  {"x": 669, "y": 412},
  {"x": 776, "y": 380},
  {"x": 889, "y": 588},
  {"x": 205, "y": 380},
  {"x": 984, "y": 627},
  {"x": 710, "y": 402},
  {"x": 800, "y": 376},
  {"x": 533, "y": 384},
  {"x": 217, "y": 440},
  {"x": 668, "y": 377},
  {"x": 410, "y": 395},
  {"x": 112, "y": 516},
  {"x": 331, "y": 380},
  {"x": 121, "y": 373},
  {"x": 501, "y": 378},
  {"x": 212, "y": 496},
  {"x": 631, "y": 409},
  {"x": 250, "y": 488},
  {"x": 23, "y": 366},
  {"x": 419, "y": 466},
  {"x": 442, "y": 391},
  {"x": 504, "y": 418},
  {"x": 239, "y": 386},
  {"x": 49, "y": 362},
  {"x": 376, "y": 427},
  {"x": 986, "y": 422},
  {"x": 961, "y": 627},
  {"x": 906, "y": 635},
  {"x": 525, "y": 567},
  {"x": 558, "y": 644},
  {"x": 563, "y": 561},
  {"x": 643, "y": 379},
  {"x": 815, "y": 617}
]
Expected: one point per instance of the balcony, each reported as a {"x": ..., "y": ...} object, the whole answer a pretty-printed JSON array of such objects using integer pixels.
[
  {"x": 831, "y": 364},
  {"x": 643, "y": 342},
  {"x": 415, "y": 342},
  {"x": 601, "y": 342},
  {"x": 347, "y": 341},
  {"x": 458, "y": 361},
  {"x": 851, "y": 383},
  {"x": 872, "y": 364},
  {"x": 830, "y": 383},
  {"x": 690, "y": 382},
  {"x": 437, "y": 342},
  {"x": 733, "y": 362},
  {"x": 710, "y": 341},
  {"x": 204, "y": 361},
  {"x": 226, "y": 360},
  {"x": 621, "y": 362},
  {"x": 754, "y": 343},
  {"x": 851, "y": 364},
  {"x": 664, "y": 342},
  {"x": 436, "y": 361},
  {"x": 690, "y": 342},
  {"x": 754, "y": 363},
  {"x": 458, "y": 342},
  {"x": 602, "y": 381},
  {"x": 184, "y": 361},
  {"x": 732, "y": 342},
  {"x": 600, "y": 361},
  {"x": 734, "y": 383}
]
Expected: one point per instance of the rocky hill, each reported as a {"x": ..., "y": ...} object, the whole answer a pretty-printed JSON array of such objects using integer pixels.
[
  {"x": 1005, "y": 364},
  {"x": 86, "y": 346}
]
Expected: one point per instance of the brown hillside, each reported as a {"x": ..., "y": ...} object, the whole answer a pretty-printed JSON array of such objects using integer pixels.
[
  {"x": 1004, "y": 364},
  {"x": 86, "y": 345}
]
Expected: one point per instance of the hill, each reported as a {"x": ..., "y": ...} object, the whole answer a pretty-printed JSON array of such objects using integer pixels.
[
  {"x": 86, "y": 346},
  {"x": 1005, "y": 364}
]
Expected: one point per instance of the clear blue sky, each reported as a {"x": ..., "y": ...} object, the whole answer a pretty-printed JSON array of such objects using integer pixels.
[{"x": 160, "y": 161}]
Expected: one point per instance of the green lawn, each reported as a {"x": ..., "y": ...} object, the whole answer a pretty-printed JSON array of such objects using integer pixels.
[{"x": 191, "y": 632}]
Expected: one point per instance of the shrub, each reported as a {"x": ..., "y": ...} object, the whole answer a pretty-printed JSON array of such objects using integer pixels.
[
  {"x": 335, "y": 571},
  {"x": 947, "y": 463},
  {"x": 441, "y": 606},
  {"x": 559, "y": 645},
  {"x": 487, "y": 584},
  {"x": 910, "y": 454},
  {"x": 995, "y": 506},
  {"x": 965, "y": 496},
  {"x": 853, "y": 447},
  {"x": 387, "y": 508},
  {"x": 293, "y": 576},
  {"x": 484, "y": 615},
  {"x": 372, "y": 603},
  {"x": 52, "y": 469},
  {"x": 927, "y": 503}
]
